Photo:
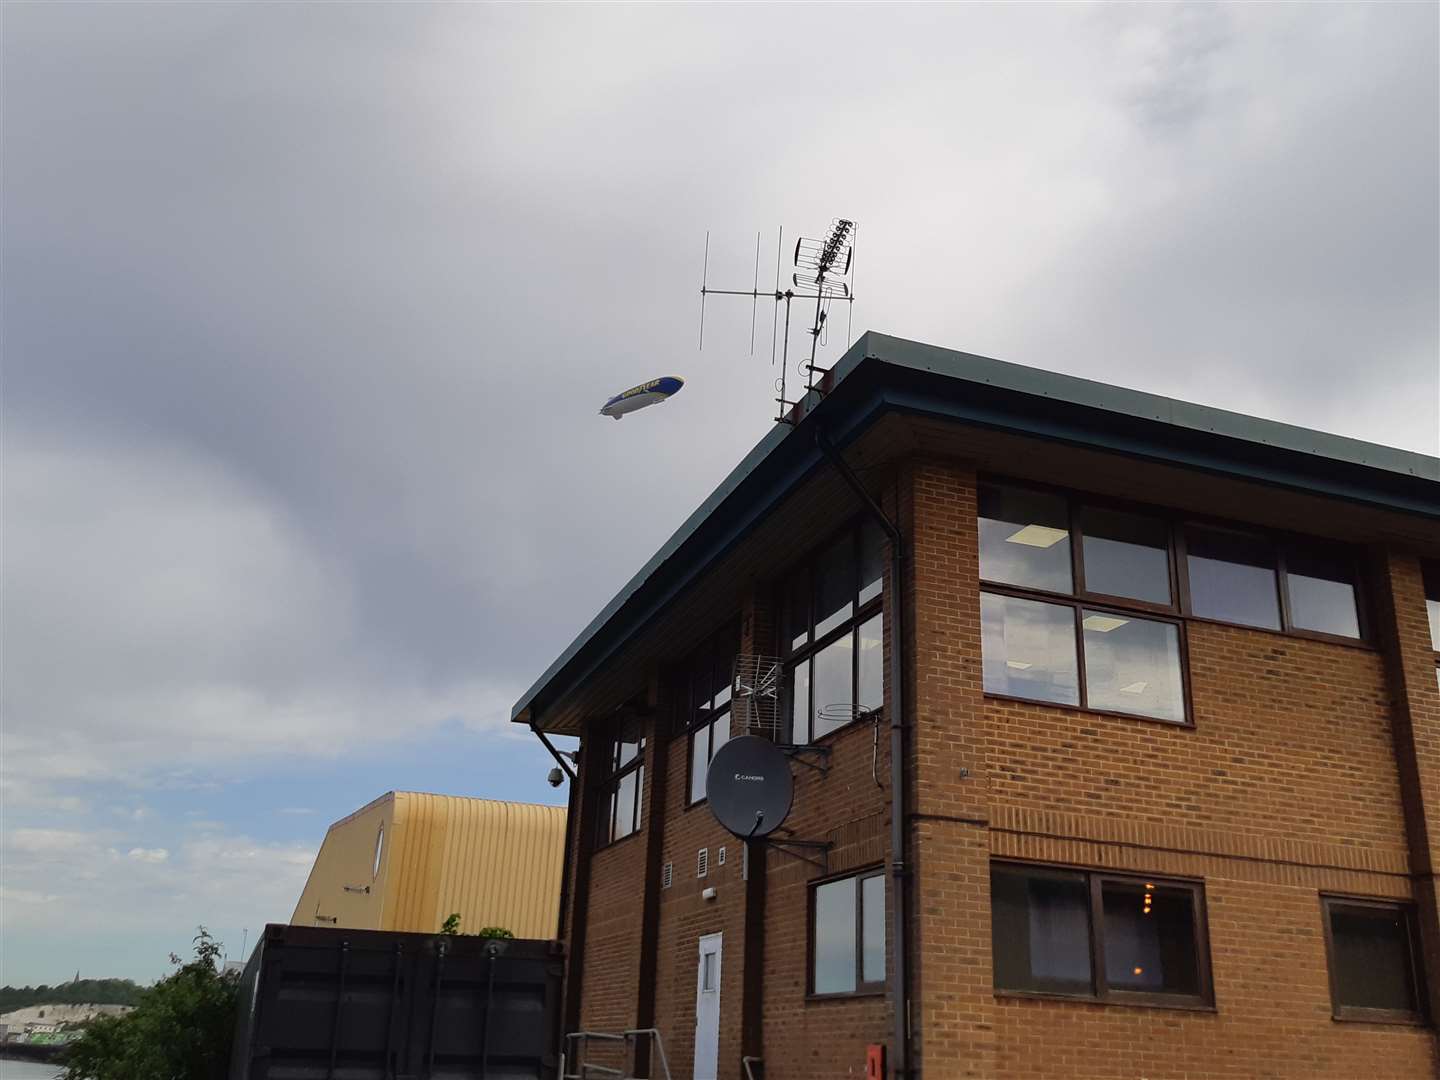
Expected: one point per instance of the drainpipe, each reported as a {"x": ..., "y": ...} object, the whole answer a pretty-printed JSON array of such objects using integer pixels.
[{"x": 899, "y": 875}]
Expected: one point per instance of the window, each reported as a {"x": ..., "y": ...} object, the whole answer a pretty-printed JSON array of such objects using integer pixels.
[
  {"x": 1432, "y": 609},
  {"x": 622, "y": 791},
  {"x": 1249, "y": 579},
  {"x": 1108, "y": 937},
  {"x": 1083, "y": 604},
  {"x": 847, "y": 935},
  {"x": 1375, "y": 970},
  {"x": 708, "y": 705},
  {"x": 1040, "y": 642},
  {"x": 833, "y": 634}
]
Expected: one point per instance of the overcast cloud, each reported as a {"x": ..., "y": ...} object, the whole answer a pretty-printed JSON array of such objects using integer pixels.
[{"x": 308, "y": 310}]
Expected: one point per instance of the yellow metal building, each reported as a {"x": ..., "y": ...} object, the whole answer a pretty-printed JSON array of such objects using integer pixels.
[{"x": 409, "y": 859}]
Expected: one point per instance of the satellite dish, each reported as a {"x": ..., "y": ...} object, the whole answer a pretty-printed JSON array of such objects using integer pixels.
[
  {"x": 750, "y": 787},
  {"x": 638, "y": 397}
]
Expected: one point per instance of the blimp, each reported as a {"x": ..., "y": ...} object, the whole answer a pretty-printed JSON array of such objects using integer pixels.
[{"x": 642, "y": 396}]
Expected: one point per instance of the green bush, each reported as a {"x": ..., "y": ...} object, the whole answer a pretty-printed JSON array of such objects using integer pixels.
[{"x": 180, "y": 1030}]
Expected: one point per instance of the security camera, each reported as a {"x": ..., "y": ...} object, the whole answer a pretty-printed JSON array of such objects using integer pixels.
[{"x": 556, "y": 777}]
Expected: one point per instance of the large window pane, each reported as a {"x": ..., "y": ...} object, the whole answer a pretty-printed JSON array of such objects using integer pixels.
[
  {"x": 872, "y": 561},
  {"x": 1232, "y": 578},
  {"x": 700, "y": 754},
  {"x": 800, "y": 702},
  {"x": 834, "y": 943},
  {"x": 1372, "y": 957},
  {"x": 1028, "y": 649},
  {"x": 625, "y": 804},
  {"x": 1024, "y": 539},
  {"x": 1150, "y": 938},
  {"x": 872, "y": 911},
  {"x": 1133, "y": 666},
  {"x": 719, "y": 733},
  {"x": 1322, "y": 594},
  {"x": 835, "y": 585},
  {"x": 833, "y": 684},
  {"x": 871, "y": 672},
  {"x": 1126, "y": 555},
  {"x": 1040, "y": 926}
]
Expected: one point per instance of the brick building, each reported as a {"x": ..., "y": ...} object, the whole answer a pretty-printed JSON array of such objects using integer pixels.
[{"x": 1154, "y": 688}]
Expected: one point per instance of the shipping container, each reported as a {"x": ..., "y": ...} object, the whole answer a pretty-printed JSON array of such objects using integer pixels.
[{"x": 319, "y": 1003}]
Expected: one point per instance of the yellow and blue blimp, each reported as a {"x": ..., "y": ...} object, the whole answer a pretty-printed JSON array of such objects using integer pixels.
[{"x": 639, "y": 397}]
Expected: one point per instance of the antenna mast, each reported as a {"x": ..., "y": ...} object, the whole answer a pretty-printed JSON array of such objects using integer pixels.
[{"x": 821, "y": 267}]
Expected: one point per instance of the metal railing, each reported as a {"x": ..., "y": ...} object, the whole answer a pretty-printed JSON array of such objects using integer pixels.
[
  {"x": 748, "y": 1063},
  {"x": 573, "y": 1052}
]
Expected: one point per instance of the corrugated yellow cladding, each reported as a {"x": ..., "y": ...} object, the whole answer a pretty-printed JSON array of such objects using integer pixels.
[{"x": 496, "y": 863}]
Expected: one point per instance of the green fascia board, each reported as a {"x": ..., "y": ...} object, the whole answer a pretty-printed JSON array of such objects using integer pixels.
[{"x": 910, "y": 377}]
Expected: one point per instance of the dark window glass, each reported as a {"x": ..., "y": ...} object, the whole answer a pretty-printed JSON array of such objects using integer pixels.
[
  {"x": 1372, "y": 958},
  {"x": 835, "y": 585},
  {"x": 1046, "y": 923},
  {"x": 847, "y": 934},
  {"x": 622, "y": 784},
  {"x": 1024, "y": 538},
  {"x": 1041, "y": 930},
  {"x": 797, "y": 610},
  {"x": 1322, "y": 594},
  {"x": 835, "y": 670},
  {"x": 1150, "y": 938},
  {"x": 708, "y": 720},
  {"x": 1133, "y": 665},
  {"x": 872, "y": 561},
  {"x": 1126, "y": 555},
  {"x": 1028, "y": 649},
  {"x": 1232, "y": 578}
]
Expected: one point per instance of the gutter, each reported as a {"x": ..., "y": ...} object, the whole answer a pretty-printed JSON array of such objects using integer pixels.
[{"x": 899, "y": 874}]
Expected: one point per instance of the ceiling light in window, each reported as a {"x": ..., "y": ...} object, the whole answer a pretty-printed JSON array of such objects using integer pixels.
[
  {"x": 1040, "y": 536},
  {"x": 1103, "y": 624},
  {"x": 1134, "y": 688},
  {"x": 1018, "y": 665}
]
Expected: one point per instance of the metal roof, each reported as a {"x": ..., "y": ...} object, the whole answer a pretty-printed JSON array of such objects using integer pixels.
[{"x": 881, "y": 374}]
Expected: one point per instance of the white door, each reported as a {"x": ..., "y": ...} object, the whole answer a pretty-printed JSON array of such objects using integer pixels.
[{"x": 707, "y": 1009}]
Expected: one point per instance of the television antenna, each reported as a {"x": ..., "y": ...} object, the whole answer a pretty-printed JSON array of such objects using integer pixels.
[{"x": 824, "y": 272}]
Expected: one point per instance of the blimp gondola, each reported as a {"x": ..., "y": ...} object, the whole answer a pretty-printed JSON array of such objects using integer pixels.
[{"x": 639, "y": 397}]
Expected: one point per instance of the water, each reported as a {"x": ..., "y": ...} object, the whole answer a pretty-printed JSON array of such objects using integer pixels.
[{"x": 10, "y": 1069}]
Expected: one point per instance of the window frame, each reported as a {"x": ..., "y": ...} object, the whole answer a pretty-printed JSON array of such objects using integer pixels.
[
  {"x": 1179, "y": 611},
  {"x": 862, "y": 988},
  {"x": 724, "y": 642},
  {"x": 1419, "y": 1017},
  {"x": 614, "y": 777},
  {"x": 861, "y": 613},
  {"x": 1101, "y": 993}
]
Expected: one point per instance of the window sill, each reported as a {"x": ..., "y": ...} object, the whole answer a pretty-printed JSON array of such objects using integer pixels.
[
  {"x": 1187, "y": 725},
  {"x": 847, "y": 995},
  {"x": 1141, "y": 1002},
  {"x": 1378, "y": 1016}
]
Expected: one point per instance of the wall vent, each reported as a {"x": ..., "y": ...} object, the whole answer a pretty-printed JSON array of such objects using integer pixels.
[
  {"x": 720, "y": 857},
  {"x": 667, "y": 875},
  {"x": 702, "y": 862}
]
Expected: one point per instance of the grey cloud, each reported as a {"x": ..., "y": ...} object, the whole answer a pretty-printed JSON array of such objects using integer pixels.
[{"x": 307, "y": 316}]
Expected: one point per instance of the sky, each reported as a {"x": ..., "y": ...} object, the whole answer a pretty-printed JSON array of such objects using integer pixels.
[{"x": 308, "y": 310}]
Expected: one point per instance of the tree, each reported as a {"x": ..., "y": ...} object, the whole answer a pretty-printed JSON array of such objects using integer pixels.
[{"x": 180, "y": 1030}]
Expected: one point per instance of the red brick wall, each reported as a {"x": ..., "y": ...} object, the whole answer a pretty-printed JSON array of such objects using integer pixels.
[{"x": 1286, "y": 786}]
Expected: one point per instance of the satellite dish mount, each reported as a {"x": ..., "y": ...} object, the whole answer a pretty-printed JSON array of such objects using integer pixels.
[{"x": 750, "y": 791}]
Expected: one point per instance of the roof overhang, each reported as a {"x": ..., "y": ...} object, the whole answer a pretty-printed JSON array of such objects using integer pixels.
[{"x": 880, "y": 375}]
